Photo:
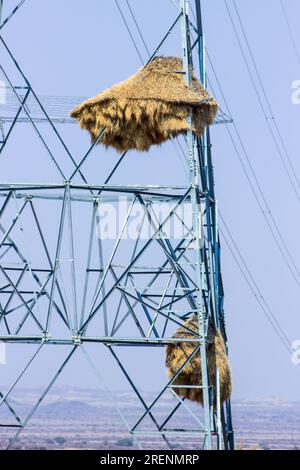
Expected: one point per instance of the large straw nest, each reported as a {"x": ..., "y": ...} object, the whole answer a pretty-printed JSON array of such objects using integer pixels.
[
  {"x": 149, "y": 108},
  {"x": 178, "y": 353}
]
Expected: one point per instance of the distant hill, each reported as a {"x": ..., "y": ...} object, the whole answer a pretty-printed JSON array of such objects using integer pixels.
[
  {"x": 85, "y": 418},
  {"x": 68, "y": 409}
]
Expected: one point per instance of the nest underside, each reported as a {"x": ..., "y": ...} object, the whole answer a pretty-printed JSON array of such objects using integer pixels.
[
  {"x": 177, "y": 354},
  {"x": 138, "y": 124}
]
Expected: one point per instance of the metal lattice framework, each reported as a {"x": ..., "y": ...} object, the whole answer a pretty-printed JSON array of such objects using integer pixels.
[{"x": 132, "y": 293}]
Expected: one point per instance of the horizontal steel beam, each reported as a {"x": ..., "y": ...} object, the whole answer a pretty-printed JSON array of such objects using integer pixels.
[{"x": 142, "y": 341}]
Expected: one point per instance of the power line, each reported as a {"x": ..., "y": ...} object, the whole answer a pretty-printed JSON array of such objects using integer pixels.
[
  {"x": 266, "y": 96},
  {"x": 138, "y": 28},
  {"x": 270, "y": 318},
  {"x": 129, "y": 32},
  {"x": 259, "y": 296},
  {"x": 287, "y": 256},
  {"x": 291, "y": 34},
  {"x": 270, "y": 118}
]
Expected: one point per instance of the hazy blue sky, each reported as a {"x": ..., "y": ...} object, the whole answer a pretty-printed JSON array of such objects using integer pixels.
[{"x": 76, "y": 48}]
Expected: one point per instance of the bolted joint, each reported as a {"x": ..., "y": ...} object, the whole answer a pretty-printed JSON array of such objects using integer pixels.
[
  {"x": 47, "y": 336},
  {"x": 76, "y": 339}
]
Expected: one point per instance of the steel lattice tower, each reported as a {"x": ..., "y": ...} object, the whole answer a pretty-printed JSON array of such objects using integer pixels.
[{"x": 134, "y": 304}]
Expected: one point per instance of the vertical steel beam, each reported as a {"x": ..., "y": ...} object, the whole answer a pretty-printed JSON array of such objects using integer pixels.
[
  {"x": 214, "y": 244},
  {"x": 197, "y": 225},
  {"x": 72, "y": 261}
]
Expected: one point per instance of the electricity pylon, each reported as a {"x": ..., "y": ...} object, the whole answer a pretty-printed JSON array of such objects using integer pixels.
[{"x": 133, "y": 294}]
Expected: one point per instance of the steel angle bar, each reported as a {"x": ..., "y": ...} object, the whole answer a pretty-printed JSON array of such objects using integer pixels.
[
  {"x": 172, "y": 432},
  {"x": 5, "y": 321},
  {"x": 97, "y": 140},
  {"x": 28, "y": 309},
  {"x": 11, "y": 409},
  {"x": 31, "y": 304},
  {"x": 43, "y": 110},
  {"x": 4, "y": 22},
  {"x": 130, "y": 308},
  {"x": 33, "y": 410},
  {"x": 147, "y": 304},
  {"x": 47, "y": 254},
  {"x": 167, "y": 248},
  {"x": 109, "y": 393},
  {"x": 164, "y": 38},
  {"x": 138, "y": 394},
  {"x": 168, "y": 313},
  {"x": 72, "y": 260},
  {"x": 160, "y": 304},
  {"x": 4, "y": 142},
  {"x": 31, "y": 120},
  {"x": 182, "y": 402},
  {"x": 23, "y": 259},
  {"x": 138, "y": 255},
  {"x": 116, "y": 166},
  {"x": 42, "y": 291},
  {"x": 114, "y": 328},
  {"x": 89, "y": 257},
  {"x": 151, "y": 282},
  {"x": 4, "y": 311},
  {"x": 98, "y": 290},
  {"x": 114, "y": 340},
  {"x": 20, "y": 375},
  {"x": 166, "y": 386},
  {"x": 197, "y": 228},
  {"x": 56, "y": 262},
  {"x": 101, "y": 274},
  {"x": 143, "y": 304},
  {"x": 15, "y": 219}
]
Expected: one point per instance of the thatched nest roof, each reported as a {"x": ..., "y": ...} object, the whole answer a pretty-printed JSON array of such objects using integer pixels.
[
  {"x": 149, "y": 108},
  {"x": 178, "y": 353}
]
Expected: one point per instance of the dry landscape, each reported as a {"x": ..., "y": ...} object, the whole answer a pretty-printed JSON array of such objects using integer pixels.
[{"x": 77, "y": 418}]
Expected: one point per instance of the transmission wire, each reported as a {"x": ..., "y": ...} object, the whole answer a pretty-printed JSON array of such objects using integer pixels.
[
  {"x": 291, "y": 34},
  {"x": 270, "y": 118},
  {"x": 288, "y": 258}
]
